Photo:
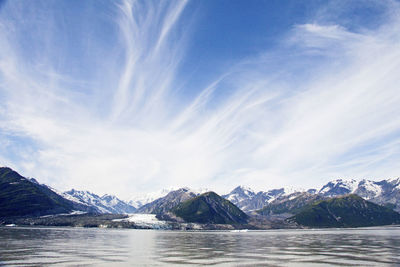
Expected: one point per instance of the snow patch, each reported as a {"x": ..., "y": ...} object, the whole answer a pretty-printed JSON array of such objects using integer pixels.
[{"x": 372, "y": 187}]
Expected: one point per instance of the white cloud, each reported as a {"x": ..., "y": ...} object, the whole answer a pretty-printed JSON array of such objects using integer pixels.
[{"x": 326, "y": 104}]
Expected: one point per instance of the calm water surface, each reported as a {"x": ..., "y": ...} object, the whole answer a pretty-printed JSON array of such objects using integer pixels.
[{"x": 25, "y": 246}]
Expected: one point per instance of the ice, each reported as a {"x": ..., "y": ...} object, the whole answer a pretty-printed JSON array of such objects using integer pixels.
[{"x": 145, "y": 220}]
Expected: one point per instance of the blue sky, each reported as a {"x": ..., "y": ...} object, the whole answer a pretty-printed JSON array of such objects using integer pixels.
[{"x": 125, "y": 97}]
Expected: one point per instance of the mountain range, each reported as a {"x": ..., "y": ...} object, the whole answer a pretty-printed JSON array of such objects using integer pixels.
[
  {"x": 384, "y": 192},
  {"x": 104, "y": 204},
  {"x": 20, "y": 196},
  {"x": 166, "y": 203},
  {"x": 248, "y": 200}
]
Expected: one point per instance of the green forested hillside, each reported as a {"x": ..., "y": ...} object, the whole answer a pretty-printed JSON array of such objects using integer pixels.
[
  {"x": 20, "y": 196},
  {"x": 346, "y": 211},
  {"x": 210, "y": 208}
]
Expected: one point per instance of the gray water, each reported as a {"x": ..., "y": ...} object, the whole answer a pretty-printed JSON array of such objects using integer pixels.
[{"x": 33, "y": 246}]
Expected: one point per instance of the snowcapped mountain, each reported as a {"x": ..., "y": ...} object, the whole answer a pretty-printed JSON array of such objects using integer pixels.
[
  {"x": 247, "y": 199},
  {"x": 385, "y": 192},
  {"x": 366, "y": 189},
  {"x": 380, "y": 192},
  {"x": 117, "y": 205},
  {"x": 240, "y": 194},
  {"x": 164, "y": 204},
  {"x": 140, "y": 200},
  {"x": 77, "y": 204},
  {"x": 104, "y": 204},
  {"x": 338, "y": 187}
]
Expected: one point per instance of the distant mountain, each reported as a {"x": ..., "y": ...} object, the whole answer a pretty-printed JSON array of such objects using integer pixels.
[
  {"x": 104, "y": 204},
  {"x": 385, "y": 192},
  {"x": 209, "y": 208},
  {"x": 166, "y": 203},
  {"x": 20, "y": 196},
  {"x": 248, "y": 200},
  {"x": 289, "y": 205},
  {"x": 345, "y": 211},
  {"x": 338, "y": 187},
  {"x": 382, "y": 192},
  {"x": 240, "y": 194},
  {"x": 138, "y": 201}
]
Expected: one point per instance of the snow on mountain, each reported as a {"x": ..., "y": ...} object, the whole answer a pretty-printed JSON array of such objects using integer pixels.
[
  {"x": 78, "y": 205},
  {"x": 240, "y": 194},
  {"x": 117, "y": 205},
  {"x": 385, "y": 191},
  {"x": 104, "y": 204},
  {"x": 338, "y": 187},
  {"x": 247, "y": 199},
  {"x": 368, "y": 189},
  {"x": 66, "y": 196},
  {"x": 395, "y": 182},
  {"x": 380, "y": 192},
  {"x": 171, "y": 200},
  {"x": 143, "y": 199}
]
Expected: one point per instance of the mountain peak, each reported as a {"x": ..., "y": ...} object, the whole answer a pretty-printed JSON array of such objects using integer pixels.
[
  {"x": 165, "y": 203},
  {"x": 241, "y": 189},
  {"x": 339, "y": 187},
  {"x": 140, "y": 200},
  {"x": 105, "y": 204},
  {"x": 209, "y": 208}
]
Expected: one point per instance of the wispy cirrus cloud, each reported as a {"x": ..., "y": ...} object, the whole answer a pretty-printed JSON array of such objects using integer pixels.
[{"x": 102, "y": 109}]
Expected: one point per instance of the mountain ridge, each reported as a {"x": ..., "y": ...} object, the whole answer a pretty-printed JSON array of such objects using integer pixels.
[
  {"x": 20, "y": 196},
  {"x": 169, "y": 201},
  {"x": 345, "y": 211},
  {"x": 384, "y": 192},
  {"x": 104, "y": 204},
  {"x": 209, "y": 208}
]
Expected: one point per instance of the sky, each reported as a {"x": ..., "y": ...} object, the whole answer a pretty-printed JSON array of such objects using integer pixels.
[{"x": 129, "y": 97}]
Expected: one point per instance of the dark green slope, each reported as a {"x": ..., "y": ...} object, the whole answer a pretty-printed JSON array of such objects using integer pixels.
[
  {"x": 164, "y": 204},
  {"x": 21, "y": 197},
  {"x": 346, "y": 211},
  {"x": 210, "y": 208},
  {"x": 291, "y": 204}
]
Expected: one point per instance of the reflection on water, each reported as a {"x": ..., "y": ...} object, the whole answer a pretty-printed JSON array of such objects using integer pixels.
[{"x": 78, "y": 246}]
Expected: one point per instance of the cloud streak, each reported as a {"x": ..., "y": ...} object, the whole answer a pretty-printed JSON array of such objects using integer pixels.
[{"x": 323, "y": 104}]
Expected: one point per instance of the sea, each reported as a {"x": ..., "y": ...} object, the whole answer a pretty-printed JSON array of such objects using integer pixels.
[{"x": 56, "y": 246}]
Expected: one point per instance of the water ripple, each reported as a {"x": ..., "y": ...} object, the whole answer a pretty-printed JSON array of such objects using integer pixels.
[{"x": 36, "y": 246}]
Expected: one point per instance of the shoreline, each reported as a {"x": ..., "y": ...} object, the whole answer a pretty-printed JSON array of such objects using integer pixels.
[{"x": 121, "y": 221}]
